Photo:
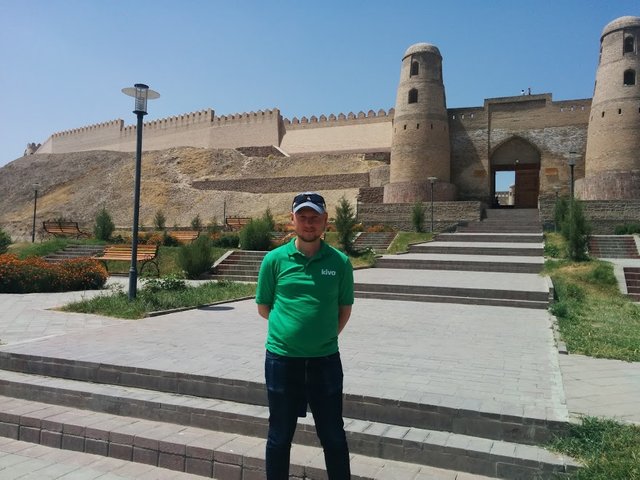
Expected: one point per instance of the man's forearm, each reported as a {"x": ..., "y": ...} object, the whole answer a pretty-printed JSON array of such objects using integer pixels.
[{"x": 344, "y": 313}]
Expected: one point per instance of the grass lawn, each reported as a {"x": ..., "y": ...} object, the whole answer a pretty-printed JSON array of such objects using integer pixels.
[
  {"x": 163, "y": 294},
  {"x": 609, "y": 450},
  {"x": 594, "y": 317},
  {"x": 404, "y": 239}
]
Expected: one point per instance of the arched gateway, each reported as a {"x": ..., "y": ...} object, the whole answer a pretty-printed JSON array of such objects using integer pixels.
[{"x": 521, "y": 157}]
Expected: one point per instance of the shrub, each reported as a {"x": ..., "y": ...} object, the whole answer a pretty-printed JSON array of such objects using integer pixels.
[
  {"x": 168, "y": 283},
  {"x": 602, "y": 274},
  {"x": 212, "y": 226},
  {"x": 168, "y": 240},
  {"x": 627, "y": 229},
  {"x": 227, "y": 240},
  {"x": 104, "y": 226},
  {"x": 417, "y": 217},
  {"x": 5, "y": 241},
  {"x": 196, "y": 223},
  {"x": 196, "y": 258},
  {"x": 34, "y": 274},
  {"x": 160, "y": 221},
  {"x": 576, "y": 230},
  {"x": 345, "y": 222},
  {"x": 379, "y": 227},
  {"x": 256, "y": 235}
]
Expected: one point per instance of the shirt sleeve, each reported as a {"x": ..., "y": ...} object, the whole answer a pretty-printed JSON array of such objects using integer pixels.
[
  {"x": 346, "y": 284},
  {"x": 265, "y": 291}
]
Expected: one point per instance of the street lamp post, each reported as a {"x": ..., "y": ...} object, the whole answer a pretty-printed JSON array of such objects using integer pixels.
[
  {"x": 432, "y": 181},
  {"x": 35, "y": 206},
  {"x": 572, "y": 164},
  {"x": 141, "y": 93}
]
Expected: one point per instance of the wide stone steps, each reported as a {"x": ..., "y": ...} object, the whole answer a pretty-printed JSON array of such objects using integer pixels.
[
  {"x": 210, "y": 436},
  {"x": 491, "y": 237},
  {"x": 632, "y": 279},
  {"x": 472, "y": 296},
  {"x": 613, "y": 246},
  {"x": 459, "y": 262},
  {"x": 239, "y": 265},
  {"x": 479, "y": 248},
  {"x": 74, "y": 251},
  {"x": 378, "y": 241},
  {"x": 498, "y": 227}
]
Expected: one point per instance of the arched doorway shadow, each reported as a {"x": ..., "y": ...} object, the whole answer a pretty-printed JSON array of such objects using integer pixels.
[{"x": 519, "y": 156}]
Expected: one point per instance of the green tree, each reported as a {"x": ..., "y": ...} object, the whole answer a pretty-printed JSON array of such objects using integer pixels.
[
  {"x": 560, "y": 212},
  {"x": 417, "y": 216},
  {"x": 5, "y": 241},
  {"x": 576, "y": 230},
  {"x": 196, "y": 223},
  {"x": 160, "y": 221},
  {"x": 268, "y": 217},
  {"x": 104, "y": 227},
  {"x": 256, "y": 235},
  {"x": 345, "y": 223}
]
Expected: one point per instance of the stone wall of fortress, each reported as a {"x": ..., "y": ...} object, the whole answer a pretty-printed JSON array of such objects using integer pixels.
[{"x": 552, "y": 129}]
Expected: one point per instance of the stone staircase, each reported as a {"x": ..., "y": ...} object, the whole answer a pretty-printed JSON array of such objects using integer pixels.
[
  {"x": 524, "y": 220},
  {"x": 238, "y": 266},
  {"x": 484, "y": 267},
  {"x": 613, "y": 246},
  {"x": 632, "y": 279},
  {"x": 74, "y": 251},
  {"x": 216, "y": 426},
  {"x": 376, "y": 241}
]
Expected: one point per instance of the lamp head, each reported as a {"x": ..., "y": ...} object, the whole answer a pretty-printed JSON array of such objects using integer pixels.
[{"x": 141, "y": 93}]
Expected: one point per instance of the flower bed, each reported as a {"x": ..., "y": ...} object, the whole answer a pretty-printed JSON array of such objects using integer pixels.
[{"x": 34, "y": 274}]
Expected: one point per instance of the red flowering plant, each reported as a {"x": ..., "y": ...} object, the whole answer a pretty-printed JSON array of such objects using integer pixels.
[{"x": 34, "y": 274}]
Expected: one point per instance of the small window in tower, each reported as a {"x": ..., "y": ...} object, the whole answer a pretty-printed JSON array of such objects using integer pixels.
[
  {"x": 413, "y": 96},
  {"x": 405, "y": 127},
  {"x": 432, "y": 126},
  {"x": 628, "y": 44},
  {"x": 619, "y": 111},
  {"x": 629, "y": 77},
  {"x": 417, "y": 126},
  {"x": 602, "y": 114},
  {"x": 415, "y": 69}
]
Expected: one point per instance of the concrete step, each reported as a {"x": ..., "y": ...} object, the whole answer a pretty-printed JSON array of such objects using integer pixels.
[
  {"x": 490, "y": 237},
  {"x": 454, "y": 262},
  {"x": 474, "y": 296},
  {"x": 482, "y": 227},
  {"x": 74, "y": 251},
  {"x": 137, "y": 424},
  {"x": 463, "y": 300},
  {"x": 532, "y": 429},
  {"x": 460, "y": 248}
]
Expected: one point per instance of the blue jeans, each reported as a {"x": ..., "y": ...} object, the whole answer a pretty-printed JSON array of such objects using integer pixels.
[{"x": 291, "y": 383}]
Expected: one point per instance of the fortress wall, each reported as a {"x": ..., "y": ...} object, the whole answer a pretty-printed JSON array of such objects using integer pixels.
[
  {"x": 603, "y": 215},
  {"x": 343, "y": 133},
  {"x": 253, "y": 129},
  {"x": 398, "y": 215},
  {"x": 92, "y": 137}
]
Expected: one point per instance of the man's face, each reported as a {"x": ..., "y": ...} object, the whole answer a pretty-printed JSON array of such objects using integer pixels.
[{"x": 309, "y": 225}]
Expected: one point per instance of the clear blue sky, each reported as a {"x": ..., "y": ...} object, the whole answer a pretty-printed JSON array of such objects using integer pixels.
[{"x": 64, "y": 62}]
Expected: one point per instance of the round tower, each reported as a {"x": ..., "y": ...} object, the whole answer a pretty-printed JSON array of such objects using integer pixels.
[
  {"x": 420, "y": 140},
  {"x": 612, "y": 160}
]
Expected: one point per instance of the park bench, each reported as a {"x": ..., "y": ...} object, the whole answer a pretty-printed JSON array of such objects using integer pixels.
[
  {"x": 236, "y": 223},
  {"x": 63, "y": 229},
  {"x": 146, "y": 254},
  {"x": 185, "y": 236}
]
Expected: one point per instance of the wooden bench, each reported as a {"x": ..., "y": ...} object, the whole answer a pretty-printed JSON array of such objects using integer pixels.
[
  {"x": 63, "y": 229},
  {"x": 185, "y": 236},
  {"x": 236, "y": 223},
  {"x": 145, "y": 254}
]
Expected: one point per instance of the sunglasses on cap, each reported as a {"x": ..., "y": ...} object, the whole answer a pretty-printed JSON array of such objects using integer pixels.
[{"x": 308, "y": 199}]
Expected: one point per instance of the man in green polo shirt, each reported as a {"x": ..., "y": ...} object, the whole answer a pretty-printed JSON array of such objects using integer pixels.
[{"x": 305, "y": 291}]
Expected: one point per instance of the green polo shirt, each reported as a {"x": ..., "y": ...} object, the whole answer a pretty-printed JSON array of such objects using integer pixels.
[{"x": 304, "y": 295}]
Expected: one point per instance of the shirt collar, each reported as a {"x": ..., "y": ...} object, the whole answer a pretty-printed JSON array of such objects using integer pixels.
[{"x": 292, "y": 250}]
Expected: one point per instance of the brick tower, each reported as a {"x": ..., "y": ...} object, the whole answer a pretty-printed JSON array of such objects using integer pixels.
[
  {"x": 420, "y": 146},
  {"x": 612, "y": 160}
]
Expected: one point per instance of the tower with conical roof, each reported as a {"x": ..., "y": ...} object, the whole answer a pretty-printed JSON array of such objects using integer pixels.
[
  {"x": 420, "y": 146},
  {"x": 612, "y": 160}
]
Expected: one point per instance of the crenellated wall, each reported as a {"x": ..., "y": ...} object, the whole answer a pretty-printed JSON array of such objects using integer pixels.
[{"x": 339, "y": 133}]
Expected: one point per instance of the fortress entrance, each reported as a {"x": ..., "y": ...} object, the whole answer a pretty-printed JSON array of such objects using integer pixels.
[{"x": 523, "y": 159}]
